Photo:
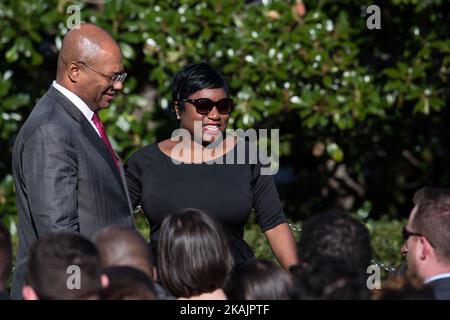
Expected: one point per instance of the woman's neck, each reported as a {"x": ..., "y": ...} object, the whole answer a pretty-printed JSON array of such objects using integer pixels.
[{"x": 189, "y": 151}]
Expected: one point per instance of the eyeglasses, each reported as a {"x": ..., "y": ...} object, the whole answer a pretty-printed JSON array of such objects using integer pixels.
[
  {"x": 406, "y": 234},
  {"x": 117, "y": 77},
  {"x": 205, "y": 105}
]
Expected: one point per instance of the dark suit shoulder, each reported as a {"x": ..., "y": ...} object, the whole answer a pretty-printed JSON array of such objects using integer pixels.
[
  {"x": 4, "y": 296},
  {"x": 48, "y": 112},
  {"x": 50, "y": 130},
  {"x": 441, "y": 288}
]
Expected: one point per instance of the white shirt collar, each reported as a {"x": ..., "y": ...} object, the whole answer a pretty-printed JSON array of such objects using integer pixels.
[
  {"x": 80, "y": 104},
  {"x": 76, "y": 100},
  {"x": 437, "y": 277}
]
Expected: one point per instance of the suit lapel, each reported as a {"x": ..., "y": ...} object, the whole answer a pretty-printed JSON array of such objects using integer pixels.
[
  {"x": 65, "y": 103},
  {"x": 88, "y": 130},
  {"x": 100, "y": 146}
]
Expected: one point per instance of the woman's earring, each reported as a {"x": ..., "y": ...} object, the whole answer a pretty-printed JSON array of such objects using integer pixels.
[{"x": 175, "y": 104}]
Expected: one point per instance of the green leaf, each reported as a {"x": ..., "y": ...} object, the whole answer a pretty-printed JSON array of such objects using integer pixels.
[
  {"x": 127, "y": 50},
  {"x": 335, "y": 152},
  {"x": 12, "y": 55},
  {"x": 393, "y": 73}
]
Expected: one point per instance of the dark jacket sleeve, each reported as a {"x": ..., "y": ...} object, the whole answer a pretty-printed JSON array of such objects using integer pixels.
[{"x": 50, "y": 168}]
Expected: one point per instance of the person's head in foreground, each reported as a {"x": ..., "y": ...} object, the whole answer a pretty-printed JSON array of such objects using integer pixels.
[
  {"x": 258, "y": 279},
  {"x": 124, "y": 246},
  {"x": 337, "y": 235},
  {"x": 334, "y": 252},
  {"x": 427, "y": 239},
  {"x": 328, "y": 278},
  {"x": 127, "y": 283},
  {"x": 63, "y": 266},
  {"x": 194, "y": 257}
]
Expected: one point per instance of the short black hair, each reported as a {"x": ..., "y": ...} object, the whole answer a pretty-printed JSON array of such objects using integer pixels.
[
  {"x": 50, "y": 257},
  {"x": 196, "y": 77},
  {"x": 328, "y": 278},
  {"x": 127, "y": 282},
  {"x": 258, "y": 279},
  {"x": 123, "y": 246},
  {"x": 338, "y": 235},
  {"x": 194, "y": 256},
  {"x": 432, "y": 218}
]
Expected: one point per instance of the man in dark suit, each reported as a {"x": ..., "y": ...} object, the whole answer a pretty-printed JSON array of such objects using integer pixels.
[
  {"x": 67, "y": 175},
  {"x": 427, "y": 240}
]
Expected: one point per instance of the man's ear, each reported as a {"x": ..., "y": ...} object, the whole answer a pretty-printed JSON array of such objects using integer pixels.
[
  {"x": 73, "y": 71},
  {"x": 428, "y": 248},
  {"x": 28, "y": 293},
  {"x": 104, "y": 281},
  {"x": 424, "y": 248}
]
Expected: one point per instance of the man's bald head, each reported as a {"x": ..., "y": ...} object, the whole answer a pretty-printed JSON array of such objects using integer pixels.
[
  {"x": 88, "y": 63},
  {"x": 86, "y": 44},
  {"x": 123, "y": 246}
]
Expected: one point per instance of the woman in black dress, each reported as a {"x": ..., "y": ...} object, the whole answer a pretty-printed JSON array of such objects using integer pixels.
[{"x": 175, "y": 174}]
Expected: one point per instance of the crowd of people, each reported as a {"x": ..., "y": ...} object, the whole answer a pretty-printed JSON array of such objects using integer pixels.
[
  {"x": 195, "y": 261},
  {"x": 75, "y": 202}
]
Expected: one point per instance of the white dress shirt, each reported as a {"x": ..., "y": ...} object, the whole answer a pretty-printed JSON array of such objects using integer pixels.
[
  {"x": 80, "y": 104},
  {"x": 437, "y": 277}
]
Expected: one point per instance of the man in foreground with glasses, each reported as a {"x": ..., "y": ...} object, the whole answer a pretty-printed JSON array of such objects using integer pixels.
[
  {"x": 66, "y": 173},
  {"x": 427, "y": 240}
]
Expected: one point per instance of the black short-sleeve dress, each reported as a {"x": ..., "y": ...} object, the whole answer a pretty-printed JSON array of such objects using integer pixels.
[{"x": 226, "y": 191}]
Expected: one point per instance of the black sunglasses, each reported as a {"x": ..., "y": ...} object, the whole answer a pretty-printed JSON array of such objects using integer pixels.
[
  {"x": 205, "y": 105},
  {"x": 406, "y": 234}
]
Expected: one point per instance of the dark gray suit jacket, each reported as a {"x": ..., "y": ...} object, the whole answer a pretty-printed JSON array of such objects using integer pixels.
[
  {"x": 441, "y": 288},
  {"x": 65, "y": 178}
]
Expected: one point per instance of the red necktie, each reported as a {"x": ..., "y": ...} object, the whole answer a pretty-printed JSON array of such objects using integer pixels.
[{"x": 99, "y": 125}]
